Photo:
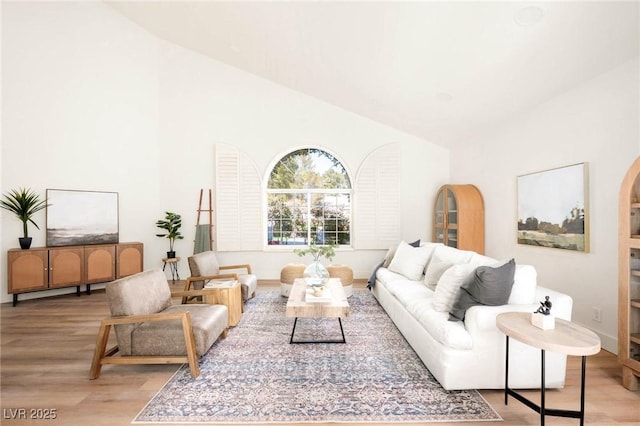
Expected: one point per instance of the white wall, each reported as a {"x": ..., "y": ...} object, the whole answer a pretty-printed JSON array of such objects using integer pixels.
[
  {"x": 92, "y": 102},
  {"x": 597, "y": 123}
]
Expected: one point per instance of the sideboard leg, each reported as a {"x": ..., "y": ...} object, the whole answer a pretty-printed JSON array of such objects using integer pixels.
[{"x": 15, "y": 299}]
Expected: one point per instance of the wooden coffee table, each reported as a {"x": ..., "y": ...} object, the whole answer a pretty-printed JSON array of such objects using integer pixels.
[{"x": 335, "y": 307}]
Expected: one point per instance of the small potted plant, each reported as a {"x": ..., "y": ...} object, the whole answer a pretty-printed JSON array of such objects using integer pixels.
[
  {"x": 24, "y": 203},
  {"x": 171, "y": 224}
]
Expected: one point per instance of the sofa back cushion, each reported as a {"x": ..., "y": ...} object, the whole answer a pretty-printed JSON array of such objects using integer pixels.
[{"x": 410, "y": 261}]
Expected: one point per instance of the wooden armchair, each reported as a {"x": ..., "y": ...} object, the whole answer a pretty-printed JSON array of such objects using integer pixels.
[
  {"x": 151, "y": 330},
  {"x": 204, "y": 267}
]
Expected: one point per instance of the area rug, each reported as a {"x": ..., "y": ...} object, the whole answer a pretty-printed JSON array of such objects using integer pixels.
[{"x": 256, "y": 376}]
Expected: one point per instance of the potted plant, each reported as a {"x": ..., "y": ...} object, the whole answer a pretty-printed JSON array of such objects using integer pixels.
[
  {"x": 171, "y": 224},
  {"x": 316, "y": 272},
  {"x": 24, "y": 203}
]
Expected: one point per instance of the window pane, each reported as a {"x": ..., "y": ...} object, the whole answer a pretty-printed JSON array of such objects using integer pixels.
[
  {"x": 309, "y": 168},
  {"x": 287, "y": 219}
]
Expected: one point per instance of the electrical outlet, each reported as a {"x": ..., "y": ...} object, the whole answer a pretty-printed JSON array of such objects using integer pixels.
[{"x": 597, "y": 314}]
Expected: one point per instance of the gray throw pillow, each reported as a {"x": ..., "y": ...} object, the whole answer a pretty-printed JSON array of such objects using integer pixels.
[{"x": 485, "y": 286}]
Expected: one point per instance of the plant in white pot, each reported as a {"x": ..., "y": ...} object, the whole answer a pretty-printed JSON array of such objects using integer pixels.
[
  {"x": 24, "y": 203},
  {"x": 171, "y": 224}
]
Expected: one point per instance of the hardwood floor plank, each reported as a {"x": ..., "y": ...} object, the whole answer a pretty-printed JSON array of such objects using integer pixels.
[{"x": 46, "y": 347}]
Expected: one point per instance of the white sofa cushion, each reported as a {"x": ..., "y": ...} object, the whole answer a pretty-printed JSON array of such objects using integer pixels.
[
  {"x": 450, "y": 334},
  {"x": 410, "y": 261},
  {"x": 406, "y": 291},
  {"x": 525, "y": 281},
  {"x": 449, "y": 285},
  {"x": 442, "y": 259}
]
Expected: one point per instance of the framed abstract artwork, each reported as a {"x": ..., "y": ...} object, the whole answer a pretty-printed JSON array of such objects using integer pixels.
[
  {"x": 81, "y": 217},
  {"x": 553, "y": 208}
]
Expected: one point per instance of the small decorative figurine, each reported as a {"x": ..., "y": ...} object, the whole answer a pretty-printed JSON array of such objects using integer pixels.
[
  {"x": 545, "y": 307},
  {"x": 542, "y": 318}
]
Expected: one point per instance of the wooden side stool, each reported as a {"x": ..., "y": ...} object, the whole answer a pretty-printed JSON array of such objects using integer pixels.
[
  {"x": 288, "y": 275},
  {"x": 345, "y": 273}
]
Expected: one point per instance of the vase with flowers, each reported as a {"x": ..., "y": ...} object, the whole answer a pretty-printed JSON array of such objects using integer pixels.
[{"x": 316, "y": 273}]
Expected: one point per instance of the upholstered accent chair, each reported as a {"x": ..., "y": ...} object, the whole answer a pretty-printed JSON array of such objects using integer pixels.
[
  {"x": 204, "y": 267},
  {"x": 150, "y": 329}
]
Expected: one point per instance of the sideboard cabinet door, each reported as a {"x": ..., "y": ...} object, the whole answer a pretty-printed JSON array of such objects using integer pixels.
[
  {"x": 130, "y": 257},
  {"x": 100, "y": 263},
  {"x": 28, "y": 270},
  {"x": 66, "y": 267}
]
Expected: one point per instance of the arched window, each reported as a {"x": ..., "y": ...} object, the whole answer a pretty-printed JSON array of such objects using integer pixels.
[{"x": 308, "y": 200}]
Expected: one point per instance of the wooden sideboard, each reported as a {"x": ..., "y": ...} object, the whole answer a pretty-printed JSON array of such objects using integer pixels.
[{"x": 46, "y": 268}]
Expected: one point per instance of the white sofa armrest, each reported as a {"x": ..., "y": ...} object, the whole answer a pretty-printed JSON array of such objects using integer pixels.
[{"x": 480, "y": 319}]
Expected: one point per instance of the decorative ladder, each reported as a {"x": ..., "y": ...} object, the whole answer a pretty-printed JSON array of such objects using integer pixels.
[{"x": 210, "y": 211}]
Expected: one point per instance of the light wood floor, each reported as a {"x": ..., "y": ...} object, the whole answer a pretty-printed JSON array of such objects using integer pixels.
[{"x": 46, "y": 348}]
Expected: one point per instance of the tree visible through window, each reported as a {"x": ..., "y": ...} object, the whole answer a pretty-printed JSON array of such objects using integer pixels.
[{"x": 309, "y": 200}]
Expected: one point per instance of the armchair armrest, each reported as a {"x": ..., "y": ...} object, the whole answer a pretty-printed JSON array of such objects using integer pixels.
[
  {"x": 133, "y": 319},
  {"x": 187, "y": 284},
  {"x": 245, "y": 266}
]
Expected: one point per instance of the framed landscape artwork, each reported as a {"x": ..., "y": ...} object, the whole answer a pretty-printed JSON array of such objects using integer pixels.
[
  {"x": 81, "y": 217},
  {"x": 553, "y": 208}
]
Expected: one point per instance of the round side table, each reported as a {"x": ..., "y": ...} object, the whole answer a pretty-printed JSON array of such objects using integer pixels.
[{"x": 567, "y": 338}]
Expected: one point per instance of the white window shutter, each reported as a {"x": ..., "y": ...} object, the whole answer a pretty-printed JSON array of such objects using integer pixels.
[
  {"x": 238, "y": 209},
  {"x": 377, "y": 200}
]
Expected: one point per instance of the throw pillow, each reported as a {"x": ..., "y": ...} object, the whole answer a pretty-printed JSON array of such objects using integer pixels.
[
  {"x": 392, "y": 251},
  {"x": 449, "y": 286},
  {"x": 485, "y": 286},
  {"x": 523, "y": 291},
  {"x": 443, "y": 258},
  {"x": 410, "y": 261}
]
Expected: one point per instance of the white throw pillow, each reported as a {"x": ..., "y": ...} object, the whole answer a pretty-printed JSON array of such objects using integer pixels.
[
  {"x": 442, "y": 259},
  {"x": 525, "y": 281},
  {"x": 410, "y": 261},
  {"x": 449, "y": 285}
]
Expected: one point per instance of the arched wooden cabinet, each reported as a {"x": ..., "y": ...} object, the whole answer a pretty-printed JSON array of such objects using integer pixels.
[
  {"x": 458, "y": 217},
  {"x": 629, "y": 277}
]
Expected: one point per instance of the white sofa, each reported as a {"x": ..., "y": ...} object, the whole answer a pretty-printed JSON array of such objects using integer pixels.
[{"x": 417, "y": 286}]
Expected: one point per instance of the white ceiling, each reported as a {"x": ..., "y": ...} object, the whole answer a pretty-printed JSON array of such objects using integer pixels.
[{"x": 437, "y": 70}]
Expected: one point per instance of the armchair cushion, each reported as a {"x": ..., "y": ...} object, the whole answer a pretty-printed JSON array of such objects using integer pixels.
[{"x": 167, "y": 337}]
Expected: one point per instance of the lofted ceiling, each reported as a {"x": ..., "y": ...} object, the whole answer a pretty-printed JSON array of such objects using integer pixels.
[{"x": 440, "y": 70}]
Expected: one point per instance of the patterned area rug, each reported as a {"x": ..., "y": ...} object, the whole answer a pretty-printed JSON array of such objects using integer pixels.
[{"x": 256, "y": 376}]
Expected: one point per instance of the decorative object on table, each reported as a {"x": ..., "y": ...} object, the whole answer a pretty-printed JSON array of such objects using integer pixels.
[
  {"x": 24, "y": 203},
  {"x": 542, "y": 317},
  {"x": 316, "y": 273},
  {"x": 81, "y": 217},
  {"x": 553, "y": 208},
  {"x": 171, "y": 224}
]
